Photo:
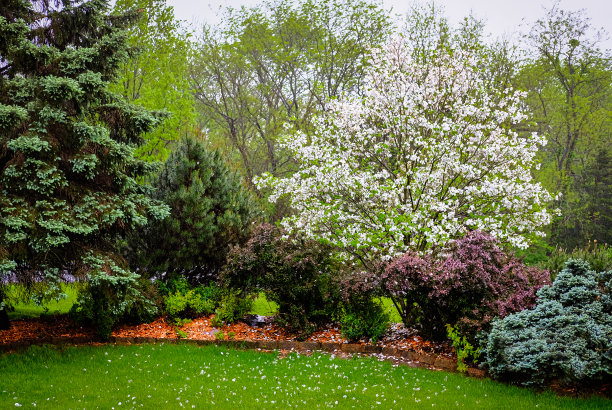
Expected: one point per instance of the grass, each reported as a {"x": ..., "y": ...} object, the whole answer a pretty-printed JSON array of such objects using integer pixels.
[
  {"x": 31, "y": 309},
  {"x": 182, "y": 376}
]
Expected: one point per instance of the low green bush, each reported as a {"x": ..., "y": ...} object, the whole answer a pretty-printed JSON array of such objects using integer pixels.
[
  {"x": 188, "y": 305},
  {"x": 364, "y": 318},
  {"x": 567, "y": 336},
  {"x": 233, "y": 307},
  {"x": 181, "y": 300}
]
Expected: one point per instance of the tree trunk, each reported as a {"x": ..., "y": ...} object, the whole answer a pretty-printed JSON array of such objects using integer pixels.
[{"x": 5, "y": 324}]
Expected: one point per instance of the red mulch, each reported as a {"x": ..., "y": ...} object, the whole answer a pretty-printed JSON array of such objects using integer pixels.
[{"x": 32, "y": 330}]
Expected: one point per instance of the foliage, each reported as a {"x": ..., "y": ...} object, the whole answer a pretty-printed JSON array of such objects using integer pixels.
[
  {"x": 67, "y": 173},
  {"x": 471, "y": 282},
  {"x": 410, "y": 165},
  {"x": 184, "y": 301},
  {"x": 233, "y": 307},
  {"x": 567, "y": 75},
  {"x": 567, "y": 336},
  {"x": 156, "y": 76},
  {"x": 296, "y": 274},
  {"x": 215, "y": 321},
  {"x": 361, "y": 315},
  {"x": 463, "y": 349},
  {"x": 276, "y": 64},
  {"x": 112, "y": 293},
  {"x": 188, "y": 305},
  {"x": 210, "y": 211},
  {"x": 599, "y": 258},
  {"x": 363, "y": 318}
]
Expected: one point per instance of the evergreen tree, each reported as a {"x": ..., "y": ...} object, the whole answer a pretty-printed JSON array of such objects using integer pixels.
[
  {"x": 598, "y": 193},
  {"x": 210, "y": 211},
  {"x": 67, "y": 169}
]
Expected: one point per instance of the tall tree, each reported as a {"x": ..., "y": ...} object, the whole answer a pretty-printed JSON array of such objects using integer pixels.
[
  {"x": 568, "y": 78},
  {"x": 271, "y": 67},
  {"x": 156, "y": 77},
  {"x": 425, "y": 156},
  {"x": 67, "y": 170}
]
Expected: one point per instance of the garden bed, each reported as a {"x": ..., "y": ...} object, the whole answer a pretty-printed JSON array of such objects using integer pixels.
[{"x": 399, "y": 345}]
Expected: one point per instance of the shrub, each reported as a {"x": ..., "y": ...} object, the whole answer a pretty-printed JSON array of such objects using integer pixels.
[
  {"x": 599, "y": 257},
  {"x": 361, "y": 316},
  {"x": 294, "y": 273},
  {"x": 188, "y": 305},
  {"x": 364, "y": 318},
  {"x": 463, "y": 349},
  {"x": 112, "y": 294},
  {"x": 473, "y": 281},
  {"x": 233, "y": 307},
  {"x": 567, "y": 336},
  {"x": 185, "y": 301},
  {"x": 210, "y": 211}
]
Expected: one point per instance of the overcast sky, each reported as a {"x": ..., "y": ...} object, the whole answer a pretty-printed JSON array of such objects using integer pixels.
[{"x": 503, "y": 17}]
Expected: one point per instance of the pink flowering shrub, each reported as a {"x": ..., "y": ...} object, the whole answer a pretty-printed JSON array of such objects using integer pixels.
[{"x": 467, "y": 285}]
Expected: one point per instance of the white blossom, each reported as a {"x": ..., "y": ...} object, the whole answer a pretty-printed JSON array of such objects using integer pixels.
[{"x": 426, "y": 155}]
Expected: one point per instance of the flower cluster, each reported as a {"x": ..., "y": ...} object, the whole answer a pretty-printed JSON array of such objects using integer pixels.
[{"x": 426, "y": 155}]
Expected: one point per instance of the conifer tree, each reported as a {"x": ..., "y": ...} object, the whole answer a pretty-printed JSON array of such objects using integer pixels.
[
  {"x": 210, "y": 210},
  {"x": 67, "y": 170}
]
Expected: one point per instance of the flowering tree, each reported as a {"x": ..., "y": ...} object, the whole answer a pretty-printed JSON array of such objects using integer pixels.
[{"x": 425, "y": 156}]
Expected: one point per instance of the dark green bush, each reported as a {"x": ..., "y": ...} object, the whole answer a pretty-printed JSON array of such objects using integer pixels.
[
  {"x": 295, "y": 273},
  {"x": 364, "y": 318},
  {"x": 567, "y": 336},
  {"x": 210, "y": 211},
  {"x": 113, "y": 294},
  {"x": 361, "y": 316}
]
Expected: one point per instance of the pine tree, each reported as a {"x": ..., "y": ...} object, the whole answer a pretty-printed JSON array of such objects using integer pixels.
[
  {"x": 67, "y": 171},
  {"x": 211, "y": 210}
]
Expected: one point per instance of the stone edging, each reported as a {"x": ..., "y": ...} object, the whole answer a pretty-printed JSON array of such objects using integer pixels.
[{"x": 412, "y": 358}]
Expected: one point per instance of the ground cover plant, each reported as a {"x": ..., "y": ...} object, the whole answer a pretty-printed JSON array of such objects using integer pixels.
[{"x": 173, "y": 376}]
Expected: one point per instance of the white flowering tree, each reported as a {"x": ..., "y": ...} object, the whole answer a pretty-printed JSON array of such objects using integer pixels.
[{"x": 425, "y": 156}]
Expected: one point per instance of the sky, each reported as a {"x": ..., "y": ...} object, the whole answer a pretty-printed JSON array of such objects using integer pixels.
[{"x": 503, "y": 17}]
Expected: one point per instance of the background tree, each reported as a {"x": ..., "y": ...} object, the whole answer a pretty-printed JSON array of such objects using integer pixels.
[
  {"x": 275, "y": 66},
  {"x": 568, "y": 78},
  {"x": 425, "y": 156},
  {"x": 156, "y": 76},
  {"x": 67, "y": 169}
]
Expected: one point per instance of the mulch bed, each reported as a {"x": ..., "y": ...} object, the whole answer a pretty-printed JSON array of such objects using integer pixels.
[{"x": 35, "y": 330}]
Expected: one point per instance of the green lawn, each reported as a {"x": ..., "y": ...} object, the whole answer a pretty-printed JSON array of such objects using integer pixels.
[
  {"x": 26, "y": 310},
  {"x": 182, "y": 376}
]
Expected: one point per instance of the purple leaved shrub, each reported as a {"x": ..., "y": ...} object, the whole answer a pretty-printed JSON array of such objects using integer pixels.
[{"x": 466, "y": 285}]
